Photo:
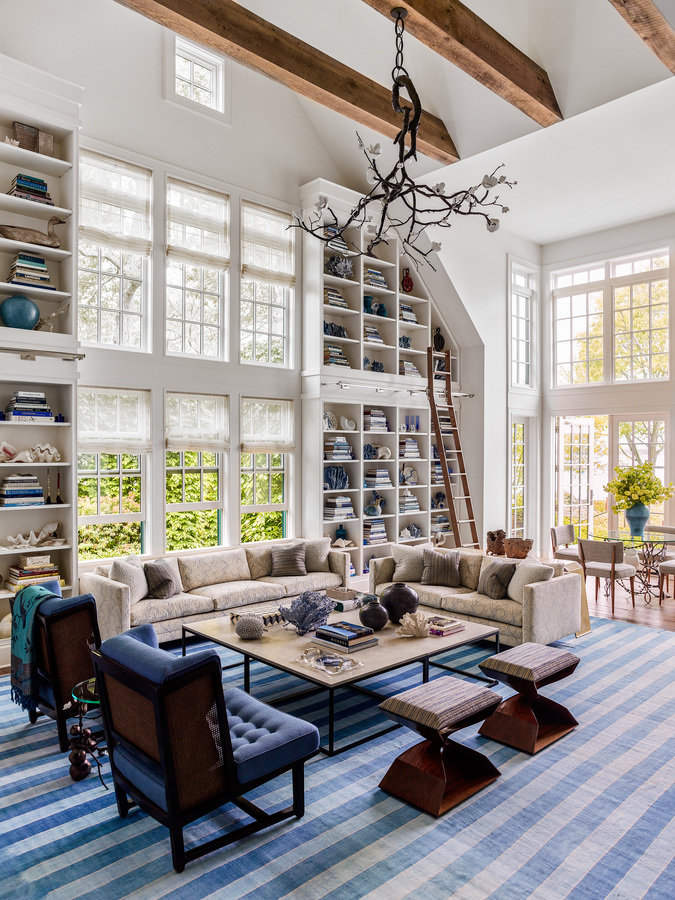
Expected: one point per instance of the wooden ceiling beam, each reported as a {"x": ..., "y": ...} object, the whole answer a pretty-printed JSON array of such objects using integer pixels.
[
  {"x": 234, "y": 31},
  {"x": 647, "y": 21},
  {"x": 460, "y": 36}
]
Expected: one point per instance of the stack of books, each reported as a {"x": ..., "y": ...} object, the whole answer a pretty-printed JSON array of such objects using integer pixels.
[
  {"x": 445, "y": 423},
  {"x": 333, "y": 297},
  {"x": 371, "y": 334},
  {"x": 375, "y": 420},
  {"x": 408, "y": 503},
  {"x": 21, "y": 490},
  {"x": 345, "y": 636},
  {"x": 407, "y": 314},
  {"x": 333, "y": 355},
  {"x": 31, "y": 271},
  {"x": 374, "y": 532},
  {"x": 375, "y": 278},
  {"x": 405, "y": 367},
  {"x": 28, "y": 187},
  {"x": 28, "y": 406},
  {"x": 31, "y": 570},
  {"x": 377, "y": 478},
  {"x": 336, "y": 241},
  {"x": 337, "y": 448},
  {"x": 408, "y": 448},
  {"x": 436, "y": 473},
  {"x": 440, "y": 626},
  {"x": 440, "y": 525},
  {"x": 337, "y": 508}
]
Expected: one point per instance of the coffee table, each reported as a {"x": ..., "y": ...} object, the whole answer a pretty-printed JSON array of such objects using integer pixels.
[{"x": 281, "y": 648}]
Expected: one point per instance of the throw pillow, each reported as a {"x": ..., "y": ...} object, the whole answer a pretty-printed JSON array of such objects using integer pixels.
[
  {"x": 494, "y": 578},
  {"x": 409, "y": 563},
  {"x": 131, "y": 575},
  {"x": 527, "y": 573},
  {"x": 441, "y": 568},
  {"x": 259, "y": 561},
  {"x": 216, "y": 567},
  {"x": 162, "y": 581},
  {"x": 316, "y": 555},
  {"x": 288, "y": 561}
]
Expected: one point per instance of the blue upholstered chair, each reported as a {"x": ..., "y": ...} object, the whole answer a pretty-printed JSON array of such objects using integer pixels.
[
  {"x": 181, "y": 746},
  {"x": 65, "y": 628}
]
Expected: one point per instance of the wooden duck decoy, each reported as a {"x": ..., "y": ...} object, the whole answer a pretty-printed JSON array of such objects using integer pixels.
[{"x": 32, "y": 235}]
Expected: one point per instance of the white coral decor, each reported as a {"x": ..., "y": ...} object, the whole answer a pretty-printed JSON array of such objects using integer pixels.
[{"x": 414, "y": 625}]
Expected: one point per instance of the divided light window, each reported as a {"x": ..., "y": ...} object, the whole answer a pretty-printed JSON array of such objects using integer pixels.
[
  {"x": 522, "y": 324},
  {"x": 112, "y": 443},
  {"x": 266, "y": 447},
  {"x": 611, "y": 321},
  {"x": 113, "y": 251},
  {"x": 267, "y": 285},
  {"x": 518, "y": 477},
  {"x": 197, "y": 247},
  {"x": 199, "y": 75},
  {"x": 196, "y": 442}
]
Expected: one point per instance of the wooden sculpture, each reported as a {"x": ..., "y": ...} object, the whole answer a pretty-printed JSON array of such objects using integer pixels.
[{"x": 32, "y": 235}]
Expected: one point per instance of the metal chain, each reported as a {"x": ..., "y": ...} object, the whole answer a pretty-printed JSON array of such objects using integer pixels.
[{"x": 399, "y": 68}]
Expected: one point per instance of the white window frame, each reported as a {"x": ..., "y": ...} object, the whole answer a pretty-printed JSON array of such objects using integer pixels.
[
  {"x": 600, "y": 277},
  {"x": 519, "y": 422},
  {"x": 519, "y": 346},
  {"x": 222, "y": 109}
]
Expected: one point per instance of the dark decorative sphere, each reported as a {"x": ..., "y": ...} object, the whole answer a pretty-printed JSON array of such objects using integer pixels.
[
  {"x": 373, "y": 615},
  {"x": 399, "y": 599}
]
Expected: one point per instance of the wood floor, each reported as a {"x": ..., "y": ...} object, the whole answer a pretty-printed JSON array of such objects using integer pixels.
[{"x": 650, "y": 614}]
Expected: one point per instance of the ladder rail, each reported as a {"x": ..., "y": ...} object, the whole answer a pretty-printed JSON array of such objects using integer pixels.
[{"x": 453, "y": 434}]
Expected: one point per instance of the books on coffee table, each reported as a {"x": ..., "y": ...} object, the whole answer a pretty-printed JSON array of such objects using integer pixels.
[
  {"x": 345, "y": 634},
  {"x": 350, "y": 649},
  {"x": 440, "y": 626}
]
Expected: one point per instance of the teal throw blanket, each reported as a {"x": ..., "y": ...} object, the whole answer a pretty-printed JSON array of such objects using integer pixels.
[{"x": 23, "y": 663}]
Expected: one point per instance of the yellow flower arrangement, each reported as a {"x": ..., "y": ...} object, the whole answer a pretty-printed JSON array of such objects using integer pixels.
[{"x": 637, "y": 484}]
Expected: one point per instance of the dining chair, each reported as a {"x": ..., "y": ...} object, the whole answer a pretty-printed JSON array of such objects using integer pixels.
[
  {"x": 604, "y": 559},
  {"x": 562, "y": 536}
]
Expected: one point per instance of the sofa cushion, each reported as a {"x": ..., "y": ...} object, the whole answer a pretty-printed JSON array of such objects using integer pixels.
[
  {"x": 480, "y": 606},
  {"x": 288, "y": 560},
  {"x": 131, "y": 575},
  {"x": 316, "y": 555},
  {"x": 527, "y": 573},
  {"x": 495, "y": 577},
  {"x": 409, "y": 563},
  {"x": 469, "y": 568},
  {"x": 229, "y": 594},
  {"x": 259, "y": 561},
  {"x": 162, "y": 580},
  {"x": 441, "y": 568},
  {"x": 296, "y": 584},
  {"x": 429, "y": 594},
  {"x": 213, "y": 568},
  {"x": 161, "y": 610}
]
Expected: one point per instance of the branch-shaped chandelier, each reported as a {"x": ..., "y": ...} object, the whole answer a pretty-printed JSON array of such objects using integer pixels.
[{"x": 395, "y": 198}]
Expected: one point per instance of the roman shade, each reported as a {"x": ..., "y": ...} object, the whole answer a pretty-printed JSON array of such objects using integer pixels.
[
  {"x": 196, "y": 422},
  {"x": 113, "y": 421},
  {"x": 266, "y": 426}
]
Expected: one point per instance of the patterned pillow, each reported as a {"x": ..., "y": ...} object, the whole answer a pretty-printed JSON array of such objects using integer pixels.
[
  {"x": 527, "y": 573},
  {"x": 288, "y": 561},
  {"x": 494, "y": 578},
  {"x": 131, "y": 575},
  {"x": 316, "y": 555},
  {"x": 162, "y": 580},
  {"x": 409, "y": 563},
  {"x": 441, "y": 568}
]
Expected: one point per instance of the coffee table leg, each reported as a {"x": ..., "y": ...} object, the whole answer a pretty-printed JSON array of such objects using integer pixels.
[
  {"x": 247, "y": 673},
  {"x": 425, "y": 670},
  {"x": 331, "y": 721},
  {"x": 182, "y": 641}
]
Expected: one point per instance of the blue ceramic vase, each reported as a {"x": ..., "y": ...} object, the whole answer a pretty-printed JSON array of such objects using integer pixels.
[
  {"x": 637, "y": 516},
  {"x": 18, "y": 311}
]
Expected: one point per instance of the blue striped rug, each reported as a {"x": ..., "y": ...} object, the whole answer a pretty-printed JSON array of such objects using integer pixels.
[{"x": 589, "y": 817}]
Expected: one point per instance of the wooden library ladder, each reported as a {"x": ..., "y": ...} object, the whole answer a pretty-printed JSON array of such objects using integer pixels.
[{"x": 445, "y": 427}]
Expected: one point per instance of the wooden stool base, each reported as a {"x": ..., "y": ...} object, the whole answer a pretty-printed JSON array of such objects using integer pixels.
[
  {"x": 435, "y": 778},
  {"x": 528, "y": 723}
]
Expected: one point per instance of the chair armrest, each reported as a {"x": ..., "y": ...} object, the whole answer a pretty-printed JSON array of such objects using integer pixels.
[
  {"x": 113, "y": 603},
  {"x": 381, "y": 570},
  {"x": 338, "y": 562},
  {"x": 551, "y": 609}
]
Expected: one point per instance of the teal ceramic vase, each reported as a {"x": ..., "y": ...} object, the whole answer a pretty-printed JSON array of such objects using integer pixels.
[
  {"x": 637, "y": 516},
  {"x": 18, "y": 311}
]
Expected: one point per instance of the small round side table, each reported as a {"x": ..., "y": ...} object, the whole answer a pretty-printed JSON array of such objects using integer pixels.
[{"x": 84, "y": 742}]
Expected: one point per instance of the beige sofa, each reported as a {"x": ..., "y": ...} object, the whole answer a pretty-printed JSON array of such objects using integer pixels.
[
  {"x": 211, "y": 583},
  {"x": 538, "y": 607}
]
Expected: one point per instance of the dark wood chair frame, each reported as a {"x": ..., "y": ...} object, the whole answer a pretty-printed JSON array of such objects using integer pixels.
[
  {"x": 62, "y": 677},
  {"x": 611, "y": 577},
  {"x": 174, "y": 818}
]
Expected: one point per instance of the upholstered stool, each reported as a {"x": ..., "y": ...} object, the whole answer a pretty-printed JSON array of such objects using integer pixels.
[
  {"x": 439, "y": 773},
  {"x": 666, "y": 569},
  {"x": 528, "y": 721}
]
